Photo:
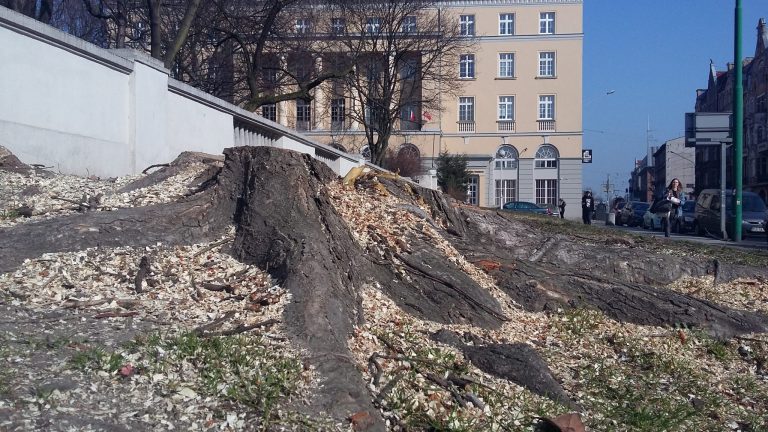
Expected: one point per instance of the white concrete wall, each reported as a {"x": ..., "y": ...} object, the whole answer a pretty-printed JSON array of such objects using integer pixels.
[
  {"x": 60, "y": 109},
  {"x": 85, "y": 110}
]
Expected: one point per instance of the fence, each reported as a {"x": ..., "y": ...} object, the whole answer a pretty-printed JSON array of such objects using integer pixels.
[{"x": 86, "y": 110}]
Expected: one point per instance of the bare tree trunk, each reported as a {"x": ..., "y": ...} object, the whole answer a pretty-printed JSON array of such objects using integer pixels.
[
  {"x": 154, "y": 28},
  {"x": 181, "y": 35}
]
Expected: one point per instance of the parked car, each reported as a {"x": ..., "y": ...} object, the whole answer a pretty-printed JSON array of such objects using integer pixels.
[
  {"x": 651, "y": 220},
  {"x": 632, "y": 213},
  {"x": 707, "y": 214},
  {"x": 528, "y": 207},
  {"x": 685, "y": 223}
]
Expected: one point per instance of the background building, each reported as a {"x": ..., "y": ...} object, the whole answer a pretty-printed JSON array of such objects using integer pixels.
[
  {"x": 517, "y": 116},
  {"x": 718, "y": 97},
  {"x": 674, "y": 160}
]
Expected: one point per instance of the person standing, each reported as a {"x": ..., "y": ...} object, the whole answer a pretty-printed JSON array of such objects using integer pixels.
[
  {"x": 587, "y": 207},
  {"x": 675, "y": 196},
  {"x": 561, "y": 206}
]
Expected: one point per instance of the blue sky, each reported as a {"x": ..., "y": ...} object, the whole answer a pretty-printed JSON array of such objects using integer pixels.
[{"x": 653, "y": 54}]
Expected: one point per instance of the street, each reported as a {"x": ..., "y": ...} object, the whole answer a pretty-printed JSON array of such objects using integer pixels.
[{"x": 746, "y": 243}]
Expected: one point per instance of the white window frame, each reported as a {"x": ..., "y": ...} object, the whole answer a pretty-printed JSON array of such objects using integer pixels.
[
  {"x": 409, "y": 24},
  {"x": 304, "y": 113},
  {"x": 302, "y": 25},
  {"x": 467, "y": 66},
  {"x": 506, "y": 65},
  {"x": 338, "y": 26},
  {"x": 473, "y": 187},
  {"x": 546, "y": 64},
  {"x": 546, "y": 23},
  {"x": 546, "y": 157},
  {"x": 506, "y": 188},
  {"x": 506, "y": 24},
  {"x": 506, "y": 111},
  {"x": 467, "y": 25},
  {"x": 373, "y": 25},
  {"x": 467, "y": 109},
  {"x": 506, "y": 158},
  {"x": 546, "y": 107},
  {"x": 546, "y": 191},
  {"x": 338, "y": 112},
  {"x": 269, "y": 111}
]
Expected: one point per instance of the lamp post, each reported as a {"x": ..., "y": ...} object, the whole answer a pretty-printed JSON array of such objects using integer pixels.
[{"x": 738, "y": 123}]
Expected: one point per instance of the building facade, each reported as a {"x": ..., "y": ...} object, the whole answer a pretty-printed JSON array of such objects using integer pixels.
[
  {"x": 718, "y": 97},
  {"x": 517, "y": 117},
  {"x": 674, "y": 160}
]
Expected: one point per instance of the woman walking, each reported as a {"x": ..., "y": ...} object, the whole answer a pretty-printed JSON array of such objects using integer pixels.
[{"x": 675, "y": 195}]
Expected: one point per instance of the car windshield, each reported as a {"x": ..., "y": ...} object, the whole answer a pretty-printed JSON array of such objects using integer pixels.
[
  {"x": 689, "y": 206},
  {"x": 750, "y": 203}
]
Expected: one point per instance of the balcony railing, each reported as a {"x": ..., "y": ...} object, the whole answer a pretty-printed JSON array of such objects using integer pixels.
[
  {"x": 465, "y": 126},
  {"x": 546, "y": 125},
  {"x": 506, "y": 125}
]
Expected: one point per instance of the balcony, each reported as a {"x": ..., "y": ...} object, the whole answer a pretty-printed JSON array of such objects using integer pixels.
[
  {"x": 465, "y": 126},
  {"x": 546, "y": 125},
  {"x": 506, "y": 125}
]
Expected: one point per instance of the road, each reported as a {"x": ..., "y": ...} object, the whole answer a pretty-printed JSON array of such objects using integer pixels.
[{"x": 748, "y": 243}]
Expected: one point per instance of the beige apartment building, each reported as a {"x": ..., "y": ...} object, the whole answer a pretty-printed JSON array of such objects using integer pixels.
[{"x": 517, "y": 117}]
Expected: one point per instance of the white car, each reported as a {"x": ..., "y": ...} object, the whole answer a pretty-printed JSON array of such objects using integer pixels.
[{"x": 651, "y": 220}]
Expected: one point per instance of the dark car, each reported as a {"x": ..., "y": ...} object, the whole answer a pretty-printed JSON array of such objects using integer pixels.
[
  {"x": 632, "y": 213},
  {"x": 707, "y": 214},
  {"x": 686, "y": 223},
  {"x": 524, "y": 206}
]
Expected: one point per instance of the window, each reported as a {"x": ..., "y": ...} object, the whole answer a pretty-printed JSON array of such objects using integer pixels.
[
  {"x": 409, "y": 151},
  {"x": 302, "y": 25},
  {"x": 467, "y": 25},
  {"x": 546, "y": 192},
  {"x": 547, "y": 107},
  {"x": 547, "y": 23},
  {"x": 506, "y": 24},
  {"x": 409, "y": 68},
  {"x": 506, "y": 65},
  {"x": 373, "y": 25},
  {"x": 472, "y": 189},
  {"x": 507, "y": 108},
  {"x": 338, "y": 26},
  {"x": 546, "y": 157},
  {"x": 409, "y": 117},
  {"x": 506, "y": 158},
  {"x": 303, "y": 114},
  {"x": 506, "y": 191},
  {"x": 409, "y": 24},
  {"x": 467, "y": 66},
  {"x": 374, "y": 113},
  {"x": 466, "y": 109},
  {"x": 547, "y": 64},
  {"x": 269, "y": 112},
  {"x": 338, "y": 113}
]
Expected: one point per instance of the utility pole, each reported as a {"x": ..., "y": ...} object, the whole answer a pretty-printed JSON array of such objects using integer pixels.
[
  {"x": 738, "y": 124},
  {"x": 607, "y": 188}
]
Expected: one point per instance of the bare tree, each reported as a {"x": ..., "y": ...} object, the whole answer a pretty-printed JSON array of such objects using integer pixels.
[
  {"x": 40, "y": 10},
  {"x": 403, "y": 55}
]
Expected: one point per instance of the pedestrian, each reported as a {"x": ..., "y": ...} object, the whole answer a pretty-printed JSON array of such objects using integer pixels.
[
  {"x": 561, "y": 206},
  {"x": 587, "y": 207},
  {"x": 676, "y": 197}
]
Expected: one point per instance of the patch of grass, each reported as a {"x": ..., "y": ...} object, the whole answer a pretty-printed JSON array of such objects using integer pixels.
[
  {"x": 97, "y": 358},
  {"x": 241, "y": 369},
  {"x": 577, "y": 322},
  {"x": 9, "y": 215},
  {"x": 5, "y": 384}
]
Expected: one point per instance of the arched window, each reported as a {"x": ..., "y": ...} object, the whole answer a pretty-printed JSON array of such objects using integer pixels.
[
  {"x": 506, "y": 157},
  {"x": 546, "y": 157},
  {"x": 409, "y": 151}
]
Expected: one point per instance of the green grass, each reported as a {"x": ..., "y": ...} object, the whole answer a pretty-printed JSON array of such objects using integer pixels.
[{"x": 240, "y": 369}]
